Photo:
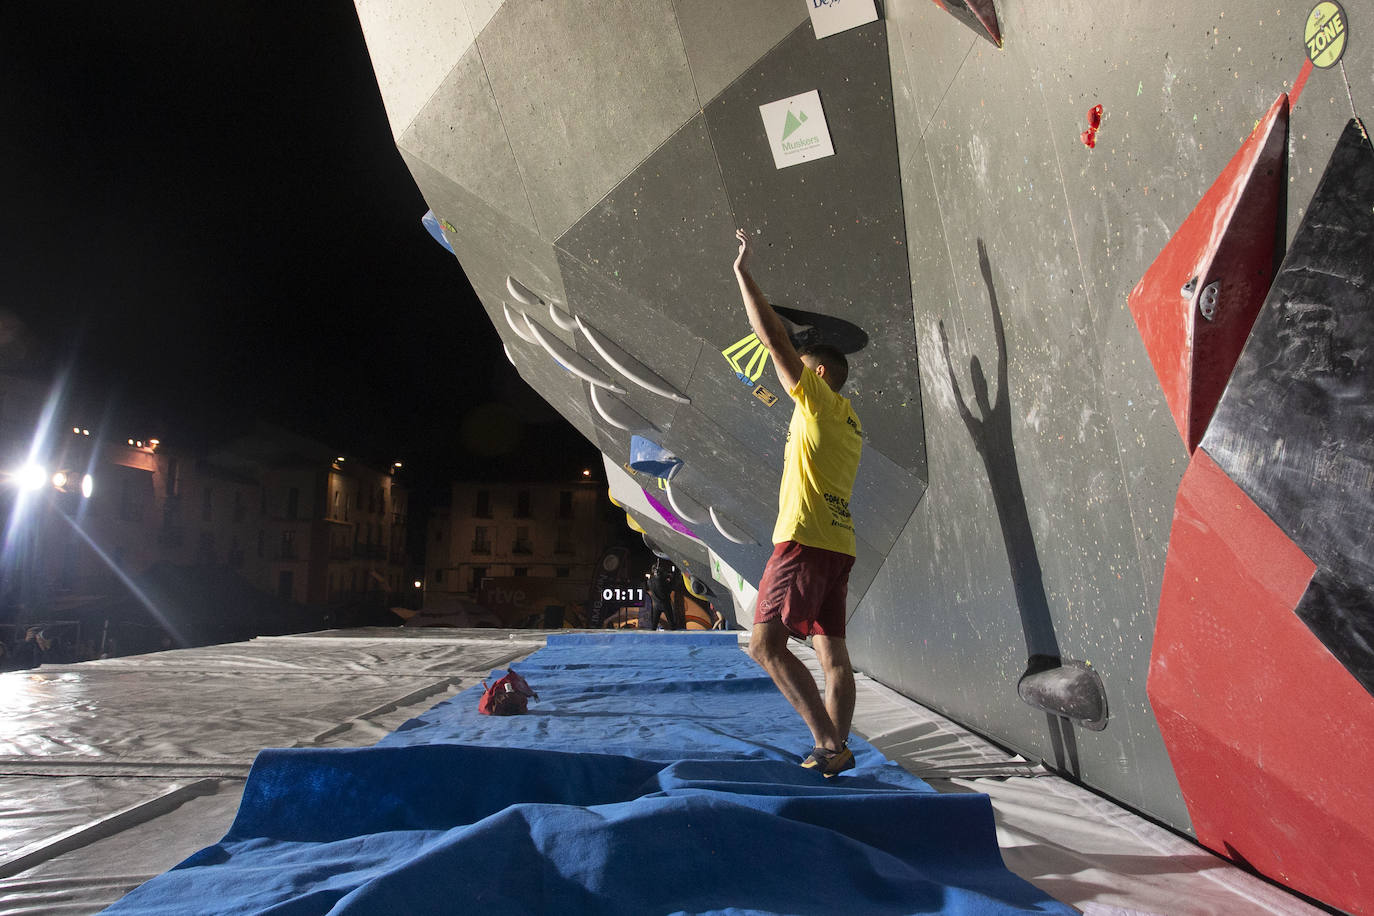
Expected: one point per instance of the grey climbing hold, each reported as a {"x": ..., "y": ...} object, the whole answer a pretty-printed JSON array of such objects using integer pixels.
[
  {"x": 1065, "y": 687},
  {"x": 1207, "y": 302}
]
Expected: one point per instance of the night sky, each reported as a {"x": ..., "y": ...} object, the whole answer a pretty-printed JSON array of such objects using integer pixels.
[{"x": 206, "y": 217}]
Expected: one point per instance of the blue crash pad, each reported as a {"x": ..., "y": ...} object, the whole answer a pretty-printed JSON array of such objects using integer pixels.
[{"x": 656, "y": 773}]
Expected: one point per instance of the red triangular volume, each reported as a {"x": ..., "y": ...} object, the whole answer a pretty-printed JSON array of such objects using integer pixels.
[
  {"x": 979, "y": 15},
  {"x": 1268, "y": 734},
  {"x": 1197, "y": 302}
]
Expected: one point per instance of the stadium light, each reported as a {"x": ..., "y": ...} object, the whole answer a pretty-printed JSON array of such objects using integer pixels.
[{"x": 31, "y": 476}]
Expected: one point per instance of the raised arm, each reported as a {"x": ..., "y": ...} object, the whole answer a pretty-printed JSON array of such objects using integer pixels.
[{"x": 765, "y": 322}]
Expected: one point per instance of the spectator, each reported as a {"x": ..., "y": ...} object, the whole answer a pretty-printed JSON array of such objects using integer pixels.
[{"x": 33, "y": 651}]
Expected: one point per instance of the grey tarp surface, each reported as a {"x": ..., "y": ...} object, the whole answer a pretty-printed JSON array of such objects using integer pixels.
[{"x": 113, "y": 771}]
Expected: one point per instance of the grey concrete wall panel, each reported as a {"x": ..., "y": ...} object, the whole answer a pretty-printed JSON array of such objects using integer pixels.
[
  {"x": 459, "y": 133},
  {"x": 1173, "y": 118},
  {"x": 413, "y": 45},
  {"x": 868, "y": 560},
  {"x": 830, "y": 234},
  {"x": 666, "y": 236},
  {"x": 720, "y": 471},
  {"x": 732, "y": 406},
  {"x": 480, "y": 12},
  {"x": 635, "y": 326},
  {"x": 587, "y": 91},
  {"x": 935, "y": 625},
  {"x": 723, "y": 37},
  {"x": 928, "y": 46},
  {"x": 563, "y": 390},
  {"x": 489, "y": 245},
  {"x": 994, "y": 173},
  {"x": 1066, "y": 446},
  {"x": 885, "y": 496}
]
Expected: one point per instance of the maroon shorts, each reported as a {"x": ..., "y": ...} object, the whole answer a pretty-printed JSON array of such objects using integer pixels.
[{"x": 805, "y": 588}]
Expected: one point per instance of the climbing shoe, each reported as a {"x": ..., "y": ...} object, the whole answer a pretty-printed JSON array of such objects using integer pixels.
[{"x": 829, "y": 762}]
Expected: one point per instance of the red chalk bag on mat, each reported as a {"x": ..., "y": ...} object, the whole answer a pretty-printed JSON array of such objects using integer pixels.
[{"x": 509, "y": 696}]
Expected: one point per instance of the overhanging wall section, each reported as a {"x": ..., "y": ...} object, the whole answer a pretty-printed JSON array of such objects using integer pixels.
[
  {"x": 991, "y": 151},
  {"x": 961, "y": 206}
]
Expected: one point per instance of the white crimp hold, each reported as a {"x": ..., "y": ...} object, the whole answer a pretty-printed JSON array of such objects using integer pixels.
[
  {"x": 522, "y": 293},
  {"x": 642, "y": 376},
  {"x": 715, "y": 520}
]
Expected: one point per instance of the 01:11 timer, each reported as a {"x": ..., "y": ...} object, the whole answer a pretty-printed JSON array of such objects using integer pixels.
[{"x": 623, "y": 594}]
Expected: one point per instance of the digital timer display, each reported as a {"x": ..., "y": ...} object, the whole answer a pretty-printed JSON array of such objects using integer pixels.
[{"x": 622, "y": 594}]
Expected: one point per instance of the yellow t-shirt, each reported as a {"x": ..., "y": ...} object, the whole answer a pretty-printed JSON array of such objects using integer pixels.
[{"x": 824, "y": 441}]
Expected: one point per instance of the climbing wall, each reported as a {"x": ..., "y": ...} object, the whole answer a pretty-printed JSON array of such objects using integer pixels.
[{"x": 1048, "y": 237}]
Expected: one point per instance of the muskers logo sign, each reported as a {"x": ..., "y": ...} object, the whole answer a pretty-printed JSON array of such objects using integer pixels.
[{"x": 796, "y": 129}]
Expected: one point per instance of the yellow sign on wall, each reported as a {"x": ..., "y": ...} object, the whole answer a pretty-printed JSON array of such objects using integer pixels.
[
  {"x": 747, "y": 357},
  {"x": 1326, "y": 34}
]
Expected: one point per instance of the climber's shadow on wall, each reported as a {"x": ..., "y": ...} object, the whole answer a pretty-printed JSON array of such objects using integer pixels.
[
  {"x": 1061, "y": 687},
  {"x": 812, "y": 327}
]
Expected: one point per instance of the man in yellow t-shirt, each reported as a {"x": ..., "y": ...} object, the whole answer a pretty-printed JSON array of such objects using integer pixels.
[{"x": 805, "y": 583}]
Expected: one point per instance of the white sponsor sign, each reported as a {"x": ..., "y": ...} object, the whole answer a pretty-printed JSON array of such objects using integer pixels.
[
  {"x": 744, "y": 595},
  {"x": 831, "y": 16},
  {"x": 796, "y": 129}
]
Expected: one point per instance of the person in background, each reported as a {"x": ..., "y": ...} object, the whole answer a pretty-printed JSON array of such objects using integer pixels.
[
  {"x": 658, "y": 610},
  {"x": 33, "y": 650}
]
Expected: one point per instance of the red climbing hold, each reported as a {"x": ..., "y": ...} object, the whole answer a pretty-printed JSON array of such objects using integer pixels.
[{"x": 1089, "y": 136}]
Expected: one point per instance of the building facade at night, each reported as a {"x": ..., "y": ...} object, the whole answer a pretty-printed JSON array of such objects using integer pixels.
[
  {"x": 325, "y": 530},
  {"x": 281, "y": 514},
  {"x": 515, "y": 530}
]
